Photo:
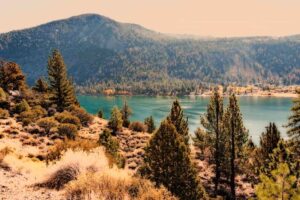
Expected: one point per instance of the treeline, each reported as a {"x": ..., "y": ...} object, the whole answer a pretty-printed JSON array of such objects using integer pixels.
[{"x": 144, "y": 62}]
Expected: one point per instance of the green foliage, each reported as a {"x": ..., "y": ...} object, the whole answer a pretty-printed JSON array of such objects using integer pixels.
[
  {"x": 47, "y": 123},
  {"x": 63, "y": 94},
  {"x": 237, "y": 138},
  {"x": 67, "y": 117},
  {"x": 126, "y": 112},
  {"x": 212, "y": 122},
  {"x": 294, "y": 120},
  {"x": 11, "y": 77},
  {"x": 202, "y": 140},
  {"x": 145, "y": 62},
  {"x": 138, "y": 126},
  {"x": 282, "y": 154},
  {"x": 149, "y": 122},
  {"x": 176, "y": 117},
  {"x": 68, "y": 130},
  {"x": 175, "y": 171},
  {"x": 115, "y": 121},
  {"x": 84, "y": 117},
  {"x": 32, "y": 115},
  {"x": 41, "y": 86},
  {"x": 4, "y": 114},
  {"x": 269, "y": 141},
  {"x": 112, "y": 147},
  {"x": 280, "y": 185},
  {"x": 100, "y": 114},
  {"x": 22, "y": 106}
]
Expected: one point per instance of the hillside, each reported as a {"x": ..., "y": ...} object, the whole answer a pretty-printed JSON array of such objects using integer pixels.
[{"x": 99, "y": 50}]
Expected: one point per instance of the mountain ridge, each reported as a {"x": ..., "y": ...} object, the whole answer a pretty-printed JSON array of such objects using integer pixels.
[{"x": 98, "y": 49}]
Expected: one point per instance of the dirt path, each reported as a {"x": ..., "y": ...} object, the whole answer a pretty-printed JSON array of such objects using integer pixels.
[{"x": 16, "y": 186}]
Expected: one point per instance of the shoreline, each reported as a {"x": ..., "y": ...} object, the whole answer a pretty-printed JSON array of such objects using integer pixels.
[{"x": 279, "y": 95}]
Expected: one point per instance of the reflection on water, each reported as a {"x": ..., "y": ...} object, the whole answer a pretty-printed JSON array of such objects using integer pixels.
[{"x": 257, "y": 111}]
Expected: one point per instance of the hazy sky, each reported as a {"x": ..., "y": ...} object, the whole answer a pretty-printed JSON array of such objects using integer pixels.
[{"x": 196, "y": 17}]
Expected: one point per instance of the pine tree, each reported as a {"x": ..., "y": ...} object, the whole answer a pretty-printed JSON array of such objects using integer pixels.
[
  {"x": 294, "y": 122},
  {"x": 62, "y": 89},
  {"x": 115, "y": 122},
  {"x": 167, "y": 163},
  {"x": 238, "y": 137},
  {"x": 149, "y": 122},
  {"x": 281, "y": 154},
  {"x": 12, "y": 77},
  {"x": 212, "y": 122},
  {"x": 176, "y": 117},
  {"x": 269, "y": 141},
  {"x": 100, "y": 114},
  {"x": 41, "y": 86},
  {"x": 126, "y": 112},
  {"x": 278, "y": 185}
]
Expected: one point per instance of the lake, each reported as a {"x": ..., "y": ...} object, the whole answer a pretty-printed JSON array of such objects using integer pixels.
[{"x": 257, "y": 111}]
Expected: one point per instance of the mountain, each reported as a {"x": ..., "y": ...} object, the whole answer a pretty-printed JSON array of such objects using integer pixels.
[{"x": 100, "y": 50}]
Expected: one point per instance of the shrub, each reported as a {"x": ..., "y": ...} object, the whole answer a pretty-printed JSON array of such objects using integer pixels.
[
  {"x": 115, "y": 121},
  {"x": 39, "y": 111},
  {"x": 47, "y": 123},
  {"x": 82, "y": 115},
  {"x": 100, "y": 114},
  {"x": 12, "y": 77},
  {"x": 72, "y": 164},
  {"x": 67, "y": 117},
  {"x": 138, "y": 126},
  {"x": 112, "y": 147},
  {"x": 56, "y": 151},
  {"x": 32, "y": 115},
  {"x": 3, "y": 96},
  {"x": 61, "y": 177},
  {"x": 149, "y": 122},
  {"x": 109, "y": 142},
  {"x": 69, "y": 130},
  {"x": 22, "y": 106},
  {"x": 4, "y": 114},
  {"x": 114, "y": 185}
]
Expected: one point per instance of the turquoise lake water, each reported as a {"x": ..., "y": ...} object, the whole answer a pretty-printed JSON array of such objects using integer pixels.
[{"x": 257, "y": 111}]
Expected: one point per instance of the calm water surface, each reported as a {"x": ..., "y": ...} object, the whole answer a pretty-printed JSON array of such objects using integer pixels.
[{"x": 257, "y": 111}]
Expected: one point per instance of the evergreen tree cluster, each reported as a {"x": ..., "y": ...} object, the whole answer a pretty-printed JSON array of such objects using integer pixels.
[{"x": 226, "y": 136}]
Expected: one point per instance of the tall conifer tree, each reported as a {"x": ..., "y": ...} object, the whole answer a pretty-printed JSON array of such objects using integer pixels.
[
  {"x": 149, "y": 122},
  {"x": 212, "y": 122},
  {"x": 176, "y": 117},
  {"x": 126, "y": 112},
  {"x": 40, "y": 86},
  {"x": 167, "y": 162},
  {"x": 63, "y": 94},
  {"x": 269, "y": 141},
  {"x": 238, "y": 137},
  {"x": 294, "y": 120}
]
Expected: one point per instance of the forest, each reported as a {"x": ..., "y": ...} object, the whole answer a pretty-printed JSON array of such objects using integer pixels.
[{"x": 112, "y": 55}]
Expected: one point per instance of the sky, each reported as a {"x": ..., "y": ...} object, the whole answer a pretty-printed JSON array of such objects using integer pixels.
[{"x": 216, "y": 18}]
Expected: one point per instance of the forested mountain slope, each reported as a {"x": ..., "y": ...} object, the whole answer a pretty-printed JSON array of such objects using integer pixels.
[{"x": 98, "y": 49}]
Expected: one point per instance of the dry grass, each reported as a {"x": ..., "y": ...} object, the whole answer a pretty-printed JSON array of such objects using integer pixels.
[
  {"x": 105, "y": 186},
  {"x": 87, "y": 175},
  {"x": 60, "y": 147},
  {"x": 71, "y": 165}
]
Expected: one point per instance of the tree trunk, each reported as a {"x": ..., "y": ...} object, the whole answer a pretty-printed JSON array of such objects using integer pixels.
[
  {"x": 232, "y": 174},
  {"x": 217, "y": 150}
]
